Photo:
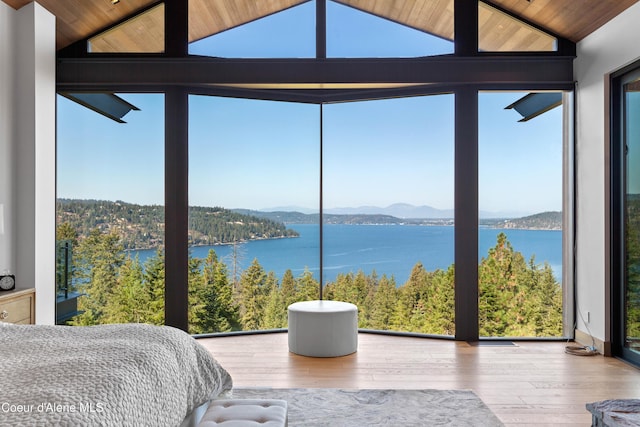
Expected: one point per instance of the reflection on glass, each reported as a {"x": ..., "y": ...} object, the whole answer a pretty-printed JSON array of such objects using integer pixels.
[
  {"x": 500, "y": 32},
  {"x": 392, "y": 28},
  {"x": 388, "y": 195},
  {"x": 253, "y": 219},
  {"x": 632, "y": 208},
  {"x": 144, "y": 33},
  {"x": 520, "y": 235},
  {"x": 109, "y": 216}
]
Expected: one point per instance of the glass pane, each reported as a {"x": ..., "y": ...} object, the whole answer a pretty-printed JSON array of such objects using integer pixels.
[
  {"x": 632, "y": 207},
  {"x": 388, "y": 198},
  {"x": 252, "y": 29},
  {"x": 520, "y": 236},
  {"x": 110, "y": 214},
  {"x": 144, "y": 33},
  {"x": 499, "y": 32},
  {"x": 253, "y": 222},
  {"x": 389, "y": 29}
]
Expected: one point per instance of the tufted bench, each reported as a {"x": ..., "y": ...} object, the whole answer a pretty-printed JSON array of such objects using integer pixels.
[
  {"x": 245, "y": 413},
  {"x": 323, "y": 328}
]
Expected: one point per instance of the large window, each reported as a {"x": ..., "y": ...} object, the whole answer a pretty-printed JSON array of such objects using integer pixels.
[
  {"x": 631, "y": 293},
  {"x": 318, "y": 149},
  {"x": 110, "y": 210},
  {"x": 411, "y": 29},
  {"x": 521, "y": 221},
  {"x": 283, "y": 29},
  {"x": 387, "y": 228},
  {"x": 253, "y": 221},
  {"x": 353, "y": 29},
  {"x": 388, "y": 203},
  {"x": 625, "y": 224}
]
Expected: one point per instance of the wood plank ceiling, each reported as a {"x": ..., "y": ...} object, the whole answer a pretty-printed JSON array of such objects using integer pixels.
[
  {"x": 145, "y": 32},
  {"x": 572, "y": 19},
  {"x": 497, "y": 31}
]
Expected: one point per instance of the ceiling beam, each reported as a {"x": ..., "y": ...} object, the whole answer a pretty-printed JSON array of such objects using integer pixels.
[
  {"x": 176, "y": 25},
  {"x": 146, "y": 72}
]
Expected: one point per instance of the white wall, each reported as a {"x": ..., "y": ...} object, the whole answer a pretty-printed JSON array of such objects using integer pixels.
[
  {"x": 7, "y": 260},
  {"x": 608, "y": 49},
  {"x": 27, "y": 151}
]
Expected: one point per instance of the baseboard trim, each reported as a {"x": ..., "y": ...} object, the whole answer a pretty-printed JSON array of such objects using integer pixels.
[{"x": 583, "y": 338}]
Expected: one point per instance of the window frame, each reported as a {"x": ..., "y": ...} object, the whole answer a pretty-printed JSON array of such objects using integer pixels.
[
  {"x": 464, "y": 73},
  {"x": 616, "y": 240}
]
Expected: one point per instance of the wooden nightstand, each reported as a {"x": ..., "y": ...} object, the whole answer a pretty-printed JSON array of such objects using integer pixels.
[{"x": 18, "y": 306}]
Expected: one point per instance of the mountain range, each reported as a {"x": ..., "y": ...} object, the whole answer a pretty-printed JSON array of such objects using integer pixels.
[{"x": 398, "y": 210}]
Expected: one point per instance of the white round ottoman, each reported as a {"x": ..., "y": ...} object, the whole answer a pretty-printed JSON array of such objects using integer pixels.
[{"x": 323, "y": 328}]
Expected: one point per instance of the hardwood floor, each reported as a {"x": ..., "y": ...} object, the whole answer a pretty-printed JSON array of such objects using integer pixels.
[{"x": 531, "y": 383}]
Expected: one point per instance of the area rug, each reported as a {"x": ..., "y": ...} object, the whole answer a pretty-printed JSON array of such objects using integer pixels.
[{"x": 364, "y": 408}]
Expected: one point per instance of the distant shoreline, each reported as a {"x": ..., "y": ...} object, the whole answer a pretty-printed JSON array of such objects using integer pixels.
[
  {"x": 493, "y": 227},
  {"x": 200, "y": 245}
]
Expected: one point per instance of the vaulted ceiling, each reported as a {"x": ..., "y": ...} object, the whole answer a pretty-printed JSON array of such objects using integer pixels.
[{"x": 571, "y": 19}]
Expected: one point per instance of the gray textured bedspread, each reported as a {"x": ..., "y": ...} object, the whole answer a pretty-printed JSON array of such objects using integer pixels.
[{"x": 110, "y": 375}]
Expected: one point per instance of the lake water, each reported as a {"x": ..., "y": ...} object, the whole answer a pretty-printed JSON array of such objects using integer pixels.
[{"x": 388, "y": 249}]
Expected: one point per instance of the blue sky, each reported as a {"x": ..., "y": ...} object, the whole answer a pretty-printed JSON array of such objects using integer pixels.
[
  {"x": 261, "y": 154},
  {"x": 350, "y": 33}
]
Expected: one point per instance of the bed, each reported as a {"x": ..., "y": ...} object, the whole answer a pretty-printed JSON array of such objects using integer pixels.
[{"x": 108, "y": 375}]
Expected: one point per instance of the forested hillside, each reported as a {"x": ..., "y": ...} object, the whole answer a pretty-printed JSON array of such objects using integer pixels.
[
  {"x": 142, "y": 226},
  {"x": 516, "y": 297},
  {"x": 541, "y": 221},
  {"x": 301, "y": 218}
]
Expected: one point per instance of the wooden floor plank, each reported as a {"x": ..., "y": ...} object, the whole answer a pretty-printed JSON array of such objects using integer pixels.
[{"x": 530, "y": 384}]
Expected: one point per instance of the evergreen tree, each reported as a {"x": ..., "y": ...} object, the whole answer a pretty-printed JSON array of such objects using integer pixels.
[
  {"x": 517, "y": 298},
  {"x": 99, "y": 258},
  {"x": 440, "y": 307},
  {"x": 632, "y": 268},
  {"x": 288, "y": 289},
  {"x": 253, "y": 294},
  {"x": 341, "y": 289},
  {"x": 307, "y": 288},
  {"x": 543, "y": 305},
  {"x": 410, "y": 312},
  {"x": 498, "y": 285},
  {"x": 364, "y": 287},
  {"x": 356, "y": 289},
  {"x": 237, "y": 255},
  {"x": 196, "y": 295},
  {"x": 218, "y": 311},
  {"x": 65, "y": 231},
  {"x": 383, "y": 304},
  {"x": 154, "y": 284},
  {"x": 273, "y": 311},
  {"x": 129, "y": 302}
]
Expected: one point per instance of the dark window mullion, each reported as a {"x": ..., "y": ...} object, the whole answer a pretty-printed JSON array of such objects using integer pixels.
[
  {"x": 466, "y": 214},
  {"x": 466, "y": 181},
  {"x": 176, "y": 208},
  {"x": 176, "y": 173},
  {"x": 321, "y": 213},
  {"x": 321, "y": 28}
]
